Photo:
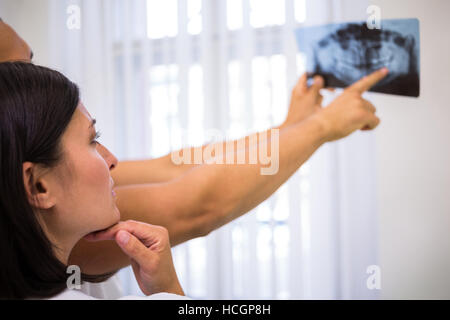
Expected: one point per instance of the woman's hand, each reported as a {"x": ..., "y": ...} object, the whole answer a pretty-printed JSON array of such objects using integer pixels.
[
  {"x": 148, "y": 247},
  {"x": 350, "y": 112}
]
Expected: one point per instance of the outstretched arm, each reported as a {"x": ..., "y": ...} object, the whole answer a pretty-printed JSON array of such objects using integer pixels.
[
  {"x": 163, "y": 169},
  {"x": 210, "y": 195},
  {"x": 160, "y": 192}
]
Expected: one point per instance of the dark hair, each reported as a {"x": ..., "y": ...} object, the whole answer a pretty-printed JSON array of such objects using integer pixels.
[{"x": 36, "y": 106}]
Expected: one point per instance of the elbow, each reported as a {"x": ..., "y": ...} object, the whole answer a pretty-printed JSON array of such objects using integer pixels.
[
  {"x": 207, "y": 223},
  {"x": 216, "y": 215}
]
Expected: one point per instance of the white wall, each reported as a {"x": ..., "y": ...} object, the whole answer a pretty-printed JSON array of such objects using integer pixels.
[
  {"x": 28, "y": 18},
  {"x": 413, "y": 160}
]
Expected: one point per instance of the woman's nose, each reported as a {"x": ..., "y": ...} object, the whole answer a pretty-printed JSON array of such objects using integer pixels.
[{"x": 110, "y": 159}]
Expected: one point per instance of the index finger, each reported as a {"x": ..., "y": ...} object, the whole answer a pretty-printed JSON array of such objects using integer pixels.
[
  {"x": 369, "y": 81},
  {"x": 134, "y": 227}
]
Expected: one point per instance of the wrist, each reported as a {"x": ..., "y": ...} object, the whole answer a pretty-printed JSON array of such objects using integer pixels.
[{"x": 321, "y": 127}]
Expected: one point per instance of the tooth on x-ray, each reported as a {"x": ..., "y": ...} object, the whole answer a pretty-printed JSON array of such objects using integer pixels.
[{"x": 345, "y": 52}]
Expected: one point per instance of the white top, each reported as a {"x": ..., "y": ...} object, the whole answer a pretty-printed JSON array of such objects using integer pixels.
[
  {"x": 73, "y": 294},
  {"x": 110, "y": 290}
]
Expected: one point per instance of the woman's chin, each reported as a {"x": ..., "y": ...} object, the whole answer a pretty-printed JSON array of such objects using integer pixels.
[{"x": 114, "y": 220}]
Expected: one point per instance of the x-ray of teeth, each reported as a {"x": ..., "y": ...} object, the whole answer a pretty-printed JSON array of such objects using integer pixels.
[{"x": 345, "y": 52}]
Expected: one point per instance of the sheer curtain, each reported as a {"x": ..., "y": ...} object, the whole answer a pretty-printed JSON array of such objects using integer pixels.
[{"x": 158, "y": 75}]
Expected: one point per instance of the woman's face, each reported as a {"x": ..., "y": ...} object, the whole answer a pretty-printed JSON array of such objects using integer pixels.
[{"x": 81, "y": 184}]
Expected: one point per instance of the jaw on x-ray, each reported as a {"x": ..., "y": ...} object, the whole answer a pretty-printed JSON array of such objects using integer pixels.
[{"x": 343, "y": 53}]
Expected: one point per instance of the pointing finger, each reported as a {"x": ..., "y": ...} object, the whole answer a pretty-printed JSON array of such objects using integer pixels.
[{"x": 369, "y": 81}]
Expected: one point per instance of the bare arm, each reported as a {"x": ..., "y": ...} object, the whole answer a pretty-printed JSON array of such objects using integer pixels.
[
  {"x": 147, "y": 171},
  {"x": 163, "y": 169},
  {"x": 159, "y": 192}
]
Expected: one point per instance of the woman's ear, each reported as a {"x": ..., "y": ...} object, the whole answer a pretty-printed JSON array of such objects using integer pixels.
[{"x": 37, "y": 189}]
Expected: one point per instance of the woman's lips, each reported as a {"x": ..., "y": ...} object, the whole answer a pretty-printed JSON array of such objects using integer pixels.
[{"x": 113, "y": 193}]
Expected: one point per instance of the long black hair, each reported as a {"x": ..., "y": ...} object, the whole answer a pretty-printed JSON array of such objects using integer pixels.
[{"x": 36, "y": 106}]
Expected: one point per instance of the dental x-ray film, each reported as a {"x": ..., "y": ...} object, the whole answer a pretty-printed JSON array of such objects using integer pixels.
[{"x": 345, "y": 52}]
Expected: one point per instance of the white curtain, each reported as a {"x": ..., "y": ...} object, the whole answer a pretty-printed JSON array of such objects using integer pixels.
[{"x": 158, "y": 75}]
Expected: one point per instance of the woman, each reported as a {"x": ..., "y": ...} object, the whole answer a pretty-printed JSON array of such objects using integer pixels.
[{"x": 56, "y": 188}]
